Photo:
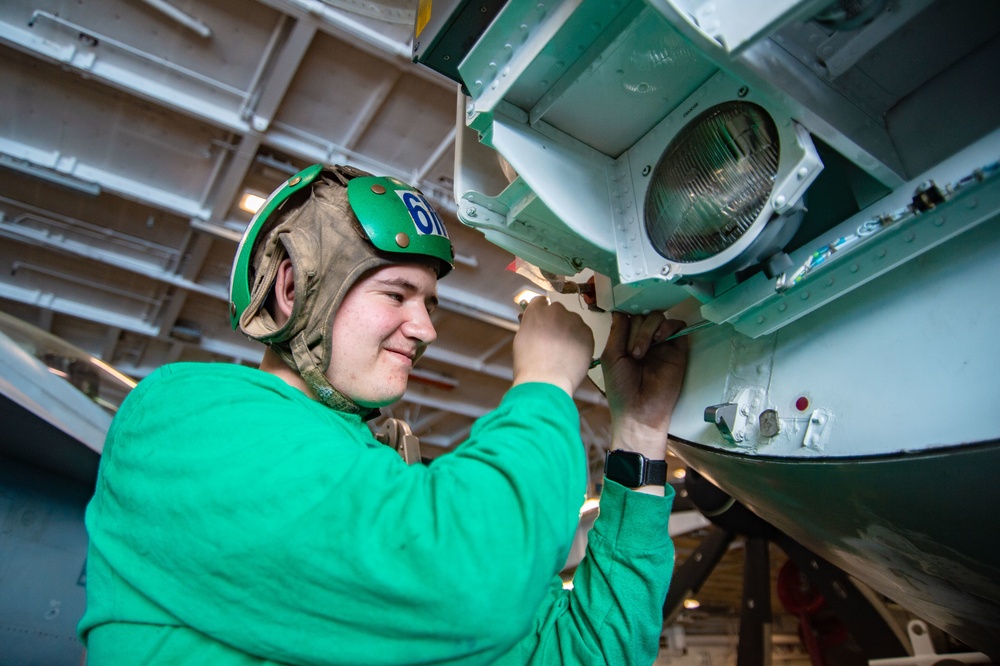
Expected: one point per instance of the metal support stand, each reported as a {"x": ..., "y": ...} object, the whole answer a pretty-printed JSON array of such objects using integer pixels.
[
  {"x": 754, "y": 648},
  {"x": 690, "y": 576}
]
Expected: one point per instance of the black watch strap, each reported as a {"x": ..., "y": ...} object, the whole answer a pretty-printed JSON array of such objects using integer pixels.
[{"x": 632, "y": 469}]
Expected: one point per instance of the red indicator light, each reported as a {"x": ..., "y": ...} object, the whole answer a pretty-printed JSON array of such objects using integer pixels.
[{"x": 802, "y": 404}]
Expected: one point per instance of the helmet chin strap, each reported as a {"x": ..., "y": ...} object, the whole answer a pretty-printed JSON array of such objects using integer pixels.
[{"x": 299, "y": 359}]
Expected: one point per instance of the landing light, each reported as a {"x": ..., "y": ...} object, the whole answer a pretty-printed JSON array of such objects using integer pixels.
[
  {"x": 712, "y": 182},
  {"x": 720, "y": 183}
]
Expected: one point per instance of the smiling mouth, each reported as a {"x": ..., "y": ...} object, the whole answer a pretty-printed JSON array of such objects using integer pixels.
[{"x": 411, "y": 357}]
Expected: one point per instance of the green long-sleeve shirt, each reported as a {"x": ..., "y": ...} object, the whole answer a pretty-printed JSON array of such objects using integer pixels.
[{"x": 237, "y": 521}]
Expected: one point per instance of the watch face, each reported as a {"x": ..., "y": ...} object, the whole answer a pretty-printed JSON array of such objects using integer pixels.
[{"x": 624, "y": 467}]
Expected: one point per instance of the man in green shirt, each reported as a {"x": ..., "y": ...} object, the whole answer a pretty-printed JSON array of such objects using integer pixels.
[{"x": 249, "y": 516}]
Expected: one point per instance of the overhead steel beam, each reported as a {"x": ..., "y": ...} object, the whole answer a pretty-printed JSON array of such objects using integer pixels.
[
  {"x": 128, "y": 188},
  {"x": 60, "y": 305},
  {"x": 275, "y": 81}
]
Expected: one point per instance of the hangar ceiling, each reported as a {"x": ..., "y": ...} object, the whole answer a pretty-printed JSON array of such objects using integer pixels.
[{"x": 130, "y": 131}]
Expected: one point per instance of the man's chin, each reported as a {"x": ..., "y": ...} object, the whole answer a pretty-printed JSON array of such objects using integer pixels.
[{"x": 376, "y": 402}]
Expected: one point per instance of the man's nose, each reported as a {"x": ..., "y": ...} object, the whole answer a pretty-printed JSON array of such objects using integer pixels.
[{"x": 419, "y": 326}]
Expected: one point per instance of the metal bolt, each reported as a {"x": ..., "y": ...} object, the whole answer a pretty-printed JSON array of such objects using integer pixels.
[{"x": 769, "y": 423}]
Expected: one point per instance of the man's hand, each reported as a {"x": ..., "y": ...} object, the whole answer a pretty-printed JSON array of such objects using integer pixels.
[
  {"x": 642, "y": 379},
  {"x": 553, "y": 345}
]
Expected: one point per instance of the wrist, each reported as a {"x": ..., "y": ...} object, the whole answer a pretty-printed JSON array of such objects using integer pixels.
[
  {"x": 563, "y": 383},
  {"x": 649, "y": 441}
]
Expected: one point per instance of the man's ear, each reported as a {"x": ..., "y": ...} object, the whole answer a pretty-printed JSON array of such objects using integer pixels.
[{"x": 284, "y": 291}]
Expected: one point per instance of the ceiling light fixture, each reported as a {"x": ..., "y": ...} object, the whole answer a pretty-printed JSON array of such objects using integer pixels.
[{"x": 251, "y": 202}]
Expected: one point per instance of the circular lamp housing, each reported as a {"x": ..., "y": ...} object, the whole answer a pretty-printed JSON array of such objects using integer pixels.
[
  {"x": 712, "y": 182},
  {"x": 717, "y": 186}
]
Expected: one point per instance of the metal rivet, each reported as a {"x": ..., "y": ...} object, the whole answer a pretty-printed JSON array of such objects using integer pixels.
[
  {"x": 379, "y": 189},
  {"x": 402, "y": 240},
  {"x": 295, "y": 181}
]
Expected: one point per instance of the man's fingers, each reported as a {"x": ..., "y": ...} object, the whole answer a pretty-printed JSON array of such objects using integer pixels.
[
  {"x": 667, "y": 328},
  {"x": 642, "y": 335}
]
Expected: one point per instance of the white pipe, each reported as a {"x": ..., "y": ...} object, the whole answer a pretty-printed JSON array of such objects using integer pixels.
[
  {"x": 184, "y": 19},
  {"x": 354, "y": 28}
]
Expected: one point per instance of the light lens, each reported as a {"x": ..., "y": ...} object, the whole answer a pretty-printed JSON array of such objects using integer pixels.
[{"x": 712, "y": 182}]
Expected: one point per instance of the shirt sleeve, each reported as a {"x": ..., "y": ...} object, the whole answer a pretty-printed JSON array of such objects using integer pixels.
[
  {"x": 290, "y": 534},
  {"x": 614, "y": 612}
]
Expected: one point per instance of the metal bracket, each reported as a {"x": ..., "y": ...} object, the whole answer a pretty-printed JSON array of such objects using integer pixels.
[
  {"x": 924, "y": 654},
  {"x": 736, "y": 421},
  {"x": 396, "y": 434},
  {"x": 818, "y": 429}
]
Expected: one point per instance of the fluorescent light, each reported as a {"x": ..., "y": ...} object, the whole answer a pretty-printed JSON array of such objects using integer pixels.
[
  {"x": 251, "y": 202},
  {"x": 691, "y": 604},
  {"x": 680, "y": 473},
  {"x": 128, "y": 381}
]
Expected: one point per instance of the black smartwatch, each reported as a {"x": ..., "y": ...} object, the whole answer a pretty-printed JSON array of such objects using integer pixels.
[{"x": 633, "y": 469}]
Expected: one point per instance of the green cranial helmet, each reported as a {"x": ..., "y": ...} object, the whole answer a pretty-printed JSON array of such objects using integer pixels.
[{"x": 334, "y": 223}]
